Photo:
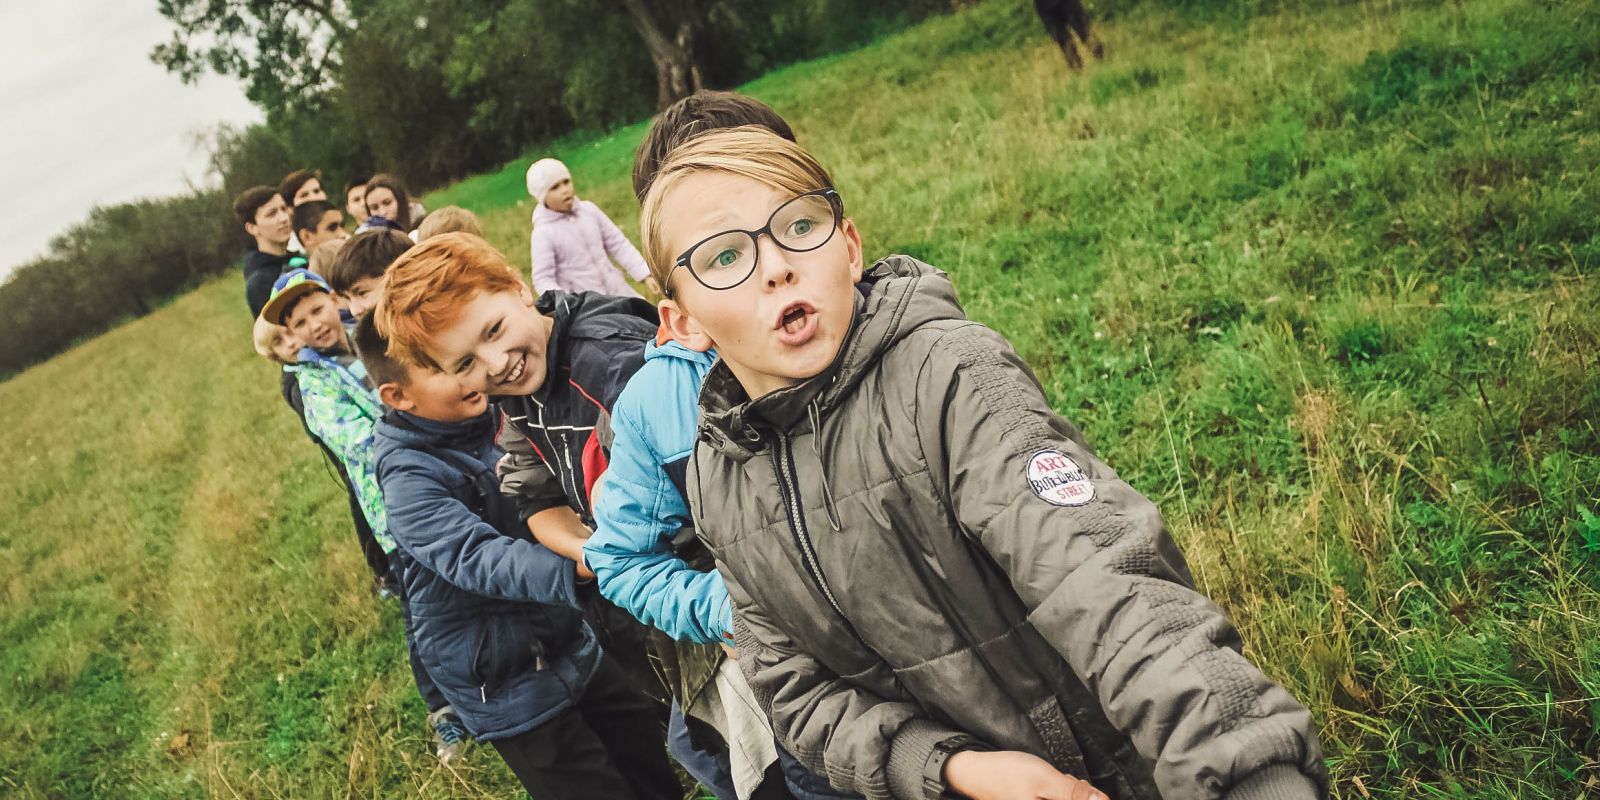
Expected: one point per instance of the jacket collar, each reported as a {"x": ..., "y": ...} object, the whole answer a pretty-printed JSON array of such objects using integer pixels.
[{"x": 414, "y": 431}]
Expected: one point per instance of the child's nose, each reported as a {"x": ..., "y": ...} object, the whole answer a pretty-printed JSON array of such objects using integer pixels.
[{"x": 773, "y": 263}]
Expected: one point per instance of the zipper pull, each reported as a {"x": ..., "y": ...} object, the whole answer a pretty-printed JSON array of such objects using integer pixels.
[
  {"x": 483, "y": 694},
  {"x": 538, "y": 663}
]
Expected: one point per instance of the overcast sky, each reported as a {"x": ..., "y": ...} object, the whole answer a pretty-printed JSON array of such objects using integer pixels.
[{"x": 89, "y": 120}]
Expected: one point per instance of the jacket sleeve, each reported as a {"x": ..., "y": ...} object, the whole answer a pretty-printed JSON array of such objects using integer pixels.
[
  {"x": 542, "y": 257},
  {"x": 620, "y": 249},
  {"x": 1103, "y": 580},
  {"x": 349, "y": 438},
  {"x": 442, "y": 534},
  {"x": 638, "y": 514},
  {"x": 258, "y": 290},
  {"x": 858, "y": 740},
  {"x": 524, "y": 477}
]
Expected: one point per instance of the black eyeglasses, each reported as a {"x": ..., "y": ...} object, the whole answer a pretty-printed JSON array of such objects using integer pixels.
[{"x": 727, "y": 259}]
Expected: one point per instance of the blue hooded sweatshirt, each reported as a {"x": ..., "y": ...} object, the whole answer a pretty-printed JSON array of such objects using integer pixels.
[
  {"x": 643, "y": 507},
  {"x": 493, "y": 613}
]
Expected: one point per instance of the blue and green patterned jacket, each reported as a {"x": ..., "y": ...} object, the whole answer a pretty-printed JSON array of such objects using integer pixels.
[{"x": 342, "y": 410}]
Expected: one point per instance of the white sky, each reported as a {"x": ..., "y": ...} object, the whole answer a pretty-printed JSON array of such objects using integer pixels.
[{"x": 86, "y": 119}]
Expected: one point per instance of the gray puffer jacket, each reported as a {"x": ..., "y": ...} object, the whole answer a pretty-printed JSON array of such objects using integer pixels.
[{"x": 921, "y": 553}]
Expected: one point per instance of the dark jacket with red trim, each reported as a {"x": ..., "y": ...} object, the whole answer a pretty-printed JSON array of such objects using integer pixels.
[{"x": 557, "y": 440}]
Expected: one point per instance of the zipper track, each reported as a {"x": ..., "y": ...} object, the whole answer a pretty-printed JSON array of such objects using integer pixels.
[{"x": 797, "y": 524}]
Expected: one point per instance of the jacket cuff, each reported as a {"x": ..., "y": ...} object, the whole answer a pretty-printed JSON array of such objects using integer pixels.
[
  {"x": 1276, "y": 782},
  {"x": 909, "y": 753}
]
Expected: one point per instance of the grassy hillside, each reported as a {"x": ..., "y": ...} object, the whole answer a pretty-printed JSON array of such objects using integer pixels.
[{"x": 1319, "y": 282}]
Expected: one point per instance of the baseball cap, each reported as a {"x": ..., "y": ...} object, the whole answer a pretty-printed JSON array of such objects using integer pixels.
[{"x": 291, "y": 286}]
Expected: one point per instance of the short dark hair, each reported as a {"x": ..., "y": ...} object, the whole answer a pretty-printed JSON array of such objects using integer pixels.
[
  {"x": 251, "y": 200},
  {"x": 360, "y": 180},
  {"x": 308, "y": 215},
  {"x": 401, "y": 199},
  {"x": 373, "y": 350},
  {"x": 368, "y": 255},
  {"x": 705, "y": 110},
  {"x": 292, "y": 182}
]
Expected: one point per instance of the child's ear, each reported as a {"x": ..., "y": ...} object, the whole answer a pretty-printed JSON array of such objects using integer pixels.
[
  {"x": 682, "y": 327},
  {"x": 852, "y": 243},
  {"x": 250, "y": 229},
  {"x": 394, "y": 396},
  {"x": 525, "y": 293}
]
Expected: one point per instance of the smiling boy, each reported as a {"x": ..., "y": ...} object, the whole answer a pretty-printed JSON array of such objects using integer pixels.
[
  {"x": 938, "y": 587},
  {"x": 553, "y": 365},
  {"x": 495, "y": 615},
  {"x": 340, "y": 406}
]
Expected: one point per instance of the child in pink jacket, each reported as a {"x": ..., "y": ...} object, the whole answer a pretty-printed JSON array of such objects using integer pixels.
[{"x": 574, "y": 243}]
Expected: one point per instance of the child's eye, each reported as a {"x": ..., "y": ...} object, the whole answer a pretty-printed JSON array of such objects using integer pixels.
[
  {"x": 466, "y": 363},
  {"x": 801, "y": 227},
  {"x": 726, "y": 258}
]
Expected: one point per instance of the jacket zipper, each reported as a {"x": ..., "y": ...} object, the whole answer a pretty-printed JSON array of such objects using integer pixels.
[{"x": 790, "y": 486}]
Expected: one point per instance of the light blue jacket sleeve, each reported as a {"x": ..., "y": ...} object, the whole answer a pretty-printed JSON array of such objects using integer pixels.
[{"x": 640, "y": 510}]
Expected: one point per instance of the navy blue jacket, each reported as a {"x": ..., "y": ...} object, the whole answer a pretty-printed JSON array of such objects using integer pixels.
[{"x": 494, "y": 613}]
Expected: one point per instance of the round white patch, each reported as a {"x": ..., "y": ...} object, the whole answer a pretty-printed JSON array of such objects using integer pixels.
[{"x": 1056, "y": 478}]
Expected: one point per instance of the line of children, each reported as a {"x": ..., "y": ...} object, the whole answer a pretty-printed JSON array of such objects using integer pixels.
[{"x": 932, "y": 585}]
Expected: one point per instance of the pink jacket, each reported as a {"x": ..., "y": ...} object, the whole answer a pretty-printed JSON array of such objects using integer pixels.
[{"x": 573, "y": 252}]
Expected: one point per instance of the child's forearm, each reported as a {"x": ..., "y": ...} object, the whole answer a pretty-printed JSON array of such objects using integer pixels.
[{"x": 564, "y": 533}]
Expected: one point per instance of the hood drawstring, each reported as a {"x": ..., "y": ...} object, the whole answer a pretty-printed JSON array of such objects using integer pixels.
[{"x": 814, "y": 415}]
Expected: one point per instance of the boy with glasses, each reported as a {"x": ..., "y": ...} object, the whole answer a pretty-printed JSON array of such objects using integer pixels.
[{"x": 937, "y": 586}]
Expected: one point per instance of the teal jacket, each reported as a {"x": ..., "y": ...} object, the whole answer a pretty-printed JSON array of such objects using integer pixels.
[
  {"x": 342, "y": 411},
  {"x": 643, "y": 507}
]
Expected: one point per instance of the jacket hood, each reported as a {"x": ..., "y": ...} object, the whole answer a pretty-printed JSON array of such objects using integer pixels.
[
  {"x": 399, "y": 429},
  {"x": 583, "y": 315},
  {"x": 895, "y": 297}
]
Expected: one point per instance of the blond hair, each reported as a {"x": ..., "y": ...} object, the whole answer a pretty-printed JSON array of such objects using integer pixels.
[
  {"x": 748, "y": 151},
  {"x": 264, "y": 335},
  {"x": 323, "y": 255},
  {"x": 447, "y": 220},
  {"x": 425, "y": 290}
]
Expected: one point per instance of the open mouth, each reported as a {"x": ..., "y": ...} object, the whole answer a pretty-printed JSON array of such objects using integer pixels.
[
  {"x": 515, "y": 373},
  {"x": 796, "y": 323}
]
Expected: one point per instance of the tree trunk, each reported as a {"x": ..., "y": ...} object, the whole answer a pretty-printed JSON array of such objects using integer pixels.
[{"x": 677, "y": 74}]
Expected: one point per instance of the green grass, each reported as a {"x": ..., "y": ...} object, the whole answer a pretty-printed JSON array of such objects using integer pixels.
[{"x": 1319, "y": 281}]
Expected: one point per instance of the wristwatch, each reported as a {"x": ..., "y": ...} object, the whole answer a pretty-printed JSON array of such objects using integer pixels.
[{"x": 933, "y": 773}]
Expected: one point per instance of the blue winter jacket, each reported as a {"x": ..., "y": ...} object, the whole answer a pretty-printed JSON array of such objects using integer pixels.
[
  {"x": 494, "y": 614},
  {"x": 642, "y": 506}
]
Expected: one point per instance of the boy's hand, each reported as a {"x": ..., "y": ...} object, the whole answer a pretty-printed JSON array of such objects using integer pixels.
[
  {"x": 1012, "y": 775},
  {"x": 733, "y": 655}
]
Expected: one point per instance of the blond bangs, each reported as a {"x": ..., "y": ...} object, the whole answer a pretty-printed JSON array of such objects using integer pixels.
[{"x": 748, "y": 151}]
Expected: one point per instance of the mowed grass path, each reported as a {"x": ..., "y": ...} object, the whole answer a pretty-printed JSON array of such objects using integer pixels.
[{"x": 1320, "y": 282}]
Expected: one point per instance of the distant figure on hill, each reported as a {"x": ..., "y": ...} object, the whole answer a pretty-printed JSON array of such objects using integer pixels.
[
  {"x": 574, "y": 243},
  {"x": 1064, "y": 19}
]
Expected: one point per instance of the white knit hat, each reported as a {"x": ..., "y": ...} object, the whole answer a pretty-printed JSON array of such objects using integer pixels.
[{"x": 543, "y": 175}]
